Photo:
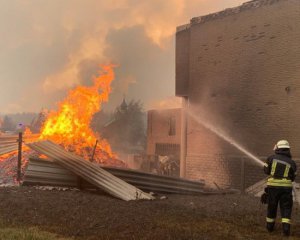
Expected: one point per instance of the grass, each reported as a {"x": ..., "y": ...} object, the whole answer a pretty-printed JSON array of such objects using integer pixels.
[
  {"x": 170, "y": 227},
  {"x": 219, "y": 229},
  {"x": 26, "y": 233}
]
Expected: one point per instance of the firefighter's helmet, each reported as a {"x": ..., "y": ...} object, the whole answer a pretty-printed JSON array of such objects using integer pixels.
[{"x": 282, "y": 144}]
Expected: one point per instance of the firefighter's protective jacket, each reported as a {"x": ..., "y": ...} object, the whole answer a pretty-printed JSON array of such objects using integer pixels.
[{"x": 281, "y": 168}]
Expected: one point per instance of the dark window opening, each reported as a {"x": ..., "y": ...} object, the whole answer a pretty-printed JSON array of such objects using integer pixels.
[
  {"x": 172, "y": 126},
  {"x": 166, "y": 149}
]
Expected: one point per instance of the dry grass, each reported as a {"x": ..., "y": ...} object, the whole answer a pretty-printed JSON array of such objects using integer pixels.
[
  {"x": 219, "y": 229},
  {"x": 89, "y": 216},
  {"x": 23, "y": 233}
]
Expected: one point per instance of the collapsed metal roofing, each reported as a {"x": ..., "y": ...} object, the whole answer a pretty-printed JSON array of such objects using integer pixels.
[
  {"x": 90, "y": 172},
  {"x": 45, "y": 172},
  {"x": 9, "y": 143}
]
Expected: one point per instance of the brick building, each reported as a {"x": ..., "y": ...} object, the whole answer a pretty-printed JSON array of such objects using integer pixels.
[
  {"x": 164, "y": 134},
  {"x": 239, "y": 71}
]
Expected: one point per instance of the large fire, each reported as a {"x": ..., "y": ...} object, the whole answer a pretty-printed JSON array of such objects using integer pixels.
[{"x": 70, "y": 125}]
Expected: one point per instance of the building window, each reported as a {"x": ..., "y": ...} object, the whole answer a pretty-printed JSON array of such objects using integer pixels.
[
  {"x": 166, "y": 149},
  {"x": 172, "y": 126}
]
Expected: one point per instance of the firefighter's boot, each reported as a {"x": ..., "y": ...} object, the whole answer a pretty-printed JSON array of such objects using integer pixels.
[
  {"x": 270, "y": 226},
  {"x": 286, "y": 229}
]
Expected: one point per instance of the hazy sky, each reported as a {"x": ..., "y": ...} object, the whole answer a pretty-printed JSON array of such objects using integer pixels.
[{"x": 50, "y": 46}]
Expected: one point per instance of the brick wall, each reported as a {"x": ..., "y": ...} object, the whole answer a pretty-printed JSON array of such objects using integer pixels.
[
  {"x": 224, "y": 170},
  {"x": 182, "y": 61},
  {"x": 159, "y": 126},
  {"x": 243, "y": 78}
]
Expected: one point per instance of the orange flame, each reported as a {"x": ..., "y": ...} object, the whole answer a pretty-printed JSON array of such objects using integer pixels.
[
  {"x": 70, "y": 125},
  {"x": 27, "y": 132}
]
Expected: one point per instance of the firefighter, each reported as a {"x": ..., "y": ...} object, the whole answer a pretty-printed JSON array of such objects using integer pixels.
[{"x": 282, "y": 172}]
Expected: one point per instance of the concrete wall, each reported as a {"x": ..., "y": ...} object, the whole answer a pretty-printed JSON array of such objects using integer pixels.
[{"x": 243, "y": 78}]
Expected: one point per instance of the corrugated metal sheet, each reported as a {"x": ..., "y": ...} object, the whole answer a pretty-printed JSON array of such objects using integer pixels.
[
  {"x": 158, "y": 183},
  {"x": 90, "y": 172},
  {"x": 40, "y": 171},
  {"x": 258, "y": 188},
  {"x": 45, "y": 172},
  {"x": 8, "y": 149},
  {"x": 9, "y": 143}
]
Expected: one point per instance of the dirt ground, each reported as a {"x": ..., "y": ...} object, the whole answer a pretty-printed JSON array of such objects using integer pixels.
[{"x": 86, "y": 215}]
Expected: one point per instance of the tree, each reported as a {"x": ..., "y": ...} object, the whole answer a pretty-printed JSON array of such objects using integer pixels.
[
  {"x": 8, "y": 124},
  {"x": 126, "y": 129},
  {"x": 39, "y": 121},
  {"x": 99, "y": 120}
]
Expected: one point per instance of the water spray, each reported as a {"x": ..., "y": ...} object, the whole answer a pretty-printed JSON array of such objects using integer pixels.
[
  {"x": 233, "y": 143},
  {"x": 223, "y": 136}
]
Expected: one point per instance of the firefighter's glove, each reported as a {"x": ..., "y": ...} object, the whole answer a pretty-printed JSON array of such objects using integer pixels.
[{"x": 264, "y": 198}]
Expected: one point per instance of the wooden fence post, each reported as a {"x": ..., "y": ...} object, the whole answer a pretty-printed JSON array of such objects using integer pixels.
[{"x": 20, "y": 142}]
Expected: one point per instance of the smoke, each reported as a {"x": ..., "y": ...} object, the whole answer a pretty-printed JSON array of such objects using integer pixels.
[
  {"x": 48, "y": 47},
  {"x": 166, "y": 103}
]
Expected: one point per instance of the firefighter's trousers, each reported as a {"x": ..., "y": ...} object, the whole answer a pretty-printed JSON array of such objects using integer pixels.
[{"x": 282, "y": 196}]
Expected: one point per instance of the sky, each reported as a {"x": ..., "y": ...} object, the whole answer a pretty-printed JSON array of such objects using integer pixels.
[{"x": 48, "y": 47}]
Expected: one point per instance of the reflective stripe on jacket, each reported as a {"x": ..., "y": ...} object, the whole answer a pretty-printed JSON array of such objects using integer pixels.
[
  {"x": 279, "y": 182},
  {"x": 282, "y": 170}
]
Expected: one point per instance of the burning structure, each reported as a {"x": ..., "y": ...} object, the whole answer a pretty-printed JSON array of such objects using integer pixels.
[
  {"x": 70, "y": 125},
  {"x": 163, "y": 139},
  {"x": 238, "y": 70}
]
